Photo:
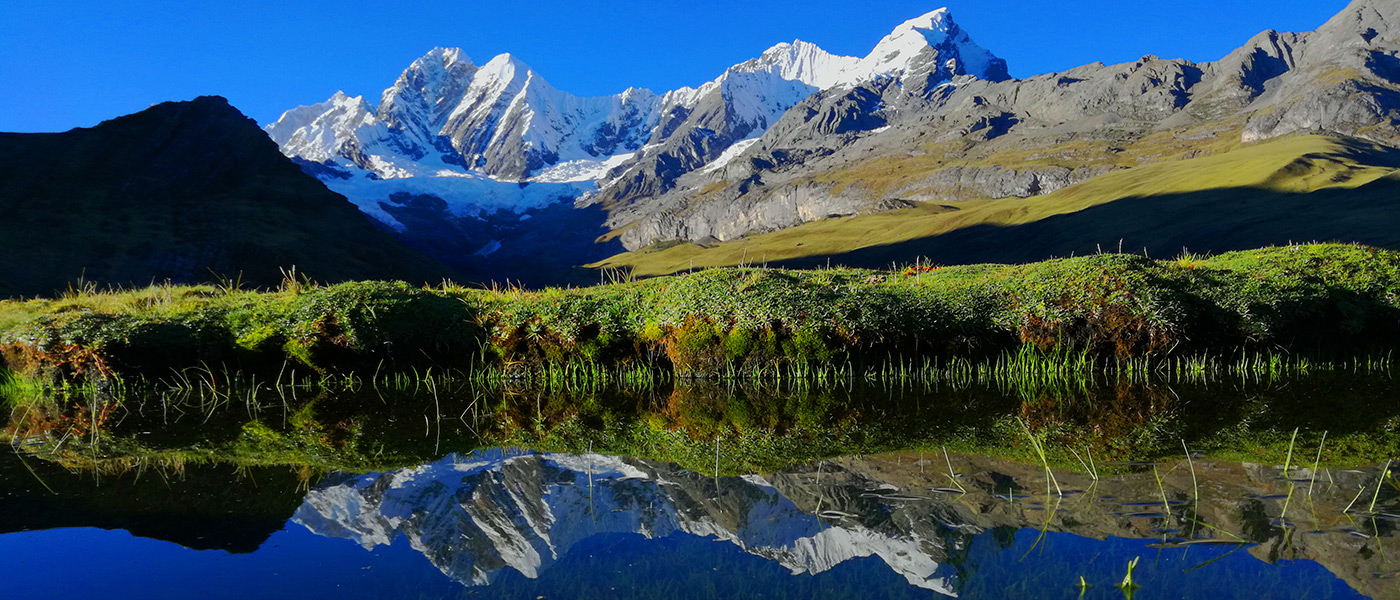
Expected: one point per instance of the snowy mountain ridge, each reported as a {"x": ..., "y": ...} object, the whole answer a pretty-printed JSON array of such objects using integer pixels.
[
  {"x": 461, "y": 161},
  {"x": 923, "y": 41}
]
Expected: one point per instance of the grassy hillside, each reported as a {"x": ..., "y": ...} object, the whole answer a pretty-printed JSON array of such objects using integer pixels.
[
  {"x": 1299, "y": 188},
  {"x": 180, "y": 191},
  {"x": 731, "y": 321}
]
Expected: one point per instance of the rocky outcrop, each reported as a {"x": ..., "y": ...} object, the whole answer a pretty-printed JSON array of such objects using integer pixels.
[
  {"x": 960, "y": 183},
  {"x": 741, "y": 209},
  {"x": 921, "y": 53},
  {"x": 732, "y": 213},
  {"x": 1344, "y": 77}
]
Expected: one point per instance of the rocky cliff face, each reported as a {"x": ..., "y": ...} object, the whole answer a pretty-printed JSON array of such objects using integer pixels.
[{"x": 853, "y": 149}]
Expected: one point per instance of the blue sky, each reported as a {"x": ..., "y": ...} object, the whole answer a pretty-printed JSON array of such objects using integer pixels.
[{"x": 76, "y": 63}]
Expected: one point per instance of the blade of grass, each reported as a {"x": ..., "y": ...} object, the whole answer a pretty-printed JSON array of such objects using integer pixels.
[
  {"x": 1317, "y": 461},
  {"x": 1380, "y": 481},
  {"x": 1195, "y": 487},
  {"x": 951, "y": 473}
]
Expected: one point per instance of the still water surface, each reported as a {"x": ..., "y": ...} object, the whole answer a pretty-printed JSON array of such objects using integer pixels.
[
  {"x": 519, "y": 524},
  {"x": 709, "y": 490}
]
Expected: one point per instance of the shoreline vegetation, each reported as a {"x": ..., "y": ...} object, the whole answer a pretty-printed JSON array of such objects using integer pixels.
[
  {"x": 733, "y": 429},
  {"x": 1259, "y": 309},
  {"x": 764, "y": 367}
]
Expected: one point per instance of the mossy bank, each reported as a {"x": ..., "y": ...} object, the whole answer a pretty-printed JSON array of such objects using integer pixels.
[{"x": 1313, "y": 298}]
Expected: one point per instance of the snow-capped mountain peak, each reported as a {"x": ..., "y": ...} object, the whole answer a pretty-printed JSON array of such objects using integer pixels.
[
  {"x": 801, "y": 61},
  {"x": 448, "y": 56},
  {"x": 933, "y": 25},
  {"x": 915, "y": 35},
  {"x": 324, "y": 131},
  {"x": 636, "y": 94},
  {"x": 436, "y": 75},
  {"x": 932, "y": 40},
  {"x": 505, "y": 67},
  {"x": 421, "y": 98}
]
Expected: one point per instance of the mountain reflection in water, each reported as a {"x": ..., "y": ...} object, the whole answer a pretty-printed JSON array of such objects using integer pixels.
[
  {"x": 516, "y": 524},
  {"x": 493, "y": 518}
]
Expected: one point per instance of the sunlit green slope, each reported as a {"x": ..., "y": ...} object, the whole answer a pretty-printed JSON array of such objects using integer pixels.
[{"x": 1299, "y": 188}]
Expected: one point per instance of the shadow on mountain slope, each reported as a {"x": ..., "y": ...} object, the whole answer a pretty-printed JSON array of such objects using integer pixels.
[
  {"x": 179, "y": 191},
  {"x": 1208, "y": 221}
]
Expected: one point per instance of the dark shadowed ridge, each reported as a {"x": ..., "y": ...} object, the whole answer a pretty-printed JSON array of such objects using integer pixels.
[
  {"x": 199, "y": 509},
  {"x": 180, "y": 191}
]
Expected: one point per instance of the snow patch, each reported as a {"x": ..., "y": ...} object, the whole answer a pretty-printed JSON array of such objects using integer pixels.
[
  {"x": 490, "y": 248},
  {"x": 581, "y": 170},
  {"x": 597, "y": 464},
  {"x": 729, "y": 154},
  {"x": 466, "y": 194}
]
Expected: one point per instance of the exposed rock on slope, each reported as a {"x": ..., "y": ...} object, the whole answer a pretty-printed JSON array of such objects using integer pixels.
[
  {"x": 926, "y": 51},
  {"x": 1300, "y": 187},
  {"x": 882, "y": 143}
]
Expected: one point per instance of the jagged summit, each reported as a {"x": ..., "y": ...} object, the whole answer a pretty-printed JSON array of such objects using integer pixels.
[
  {"x": 940, "y": 19},
  {"x": 506, "y": 64},
  {"x": 926, "y": 40},
  {"x": 327, "y": 130},
  {"x": 448, "y": 56},
  {"x": 503, "y": 120},
  {"x": 803, "y": 61},
  {"x": 418, "y": 103}
]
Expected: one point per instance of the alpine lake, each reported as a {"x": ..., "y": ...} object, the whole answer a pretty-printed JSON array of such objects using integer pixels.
[{"x": 1249, "y": 482}]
